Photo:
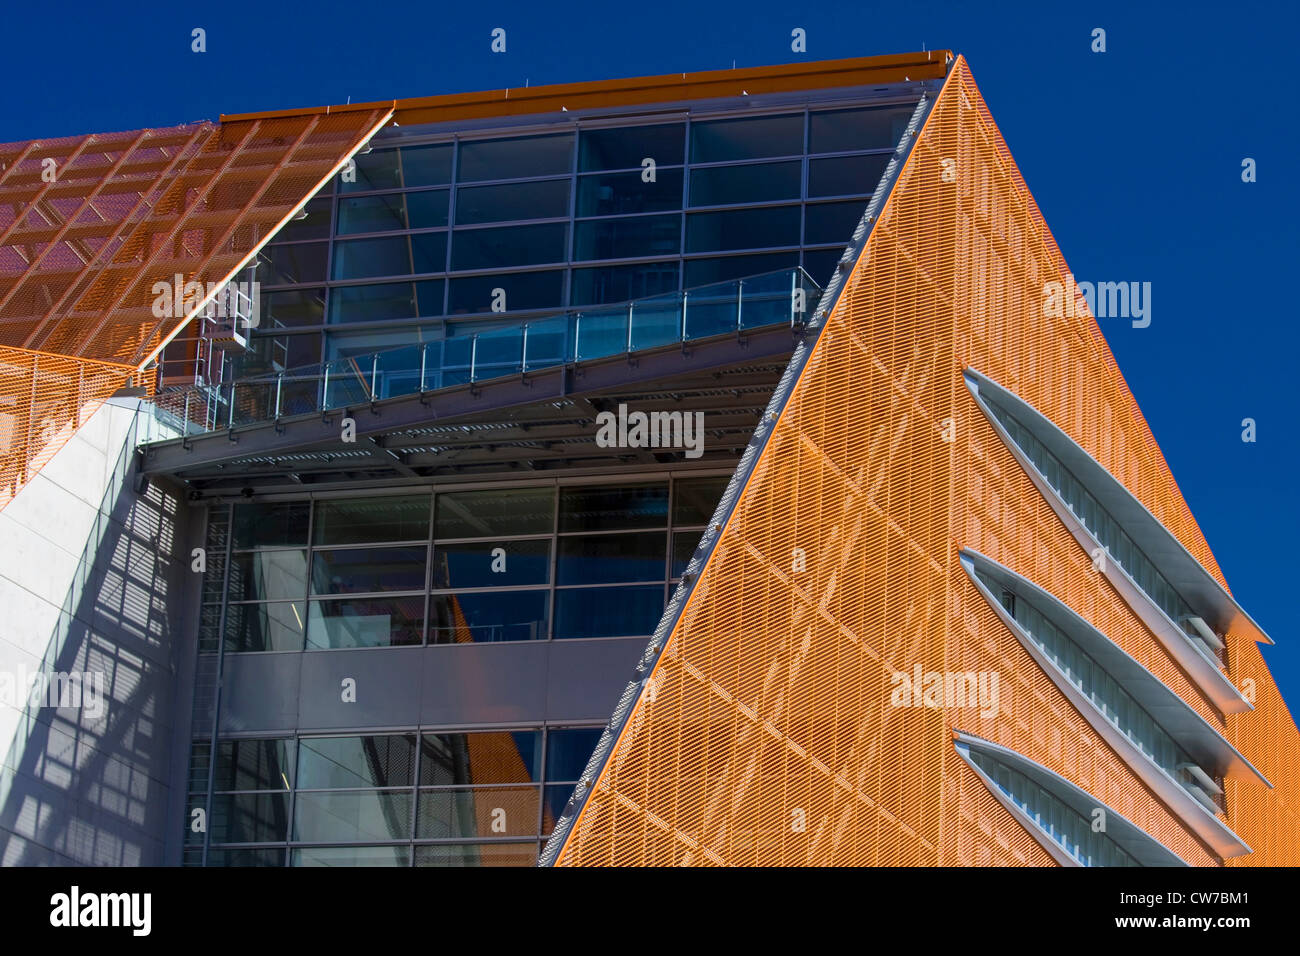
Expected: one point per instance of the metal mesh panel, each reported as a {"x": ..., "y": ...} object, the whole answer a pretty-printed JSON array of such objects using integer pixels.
[
  {"x": 89, "y": 224},
  {"x": 765, "y": 732},
  {"x": 44, "y": 399}
]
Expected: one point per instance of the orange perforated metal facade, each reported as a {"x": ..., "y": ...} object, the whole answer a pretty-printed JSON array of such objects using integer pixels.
[{"x": 764, "y": 733}]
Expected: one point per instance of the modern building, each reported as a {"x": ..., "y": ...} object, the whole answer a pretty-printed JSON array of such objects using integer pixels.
[{"x": 680, "y": 470}]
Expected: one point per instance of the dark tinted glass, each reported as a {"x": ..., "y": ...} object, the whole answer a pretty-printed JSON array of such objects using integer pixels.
[
  {"x": 258, "y": 856},
  {"x": 842, "y": 130},
  {"x": 363, "y": 258},
  {"x": 567, "y": 752},
  {"x": 492, "y": 757},
  {"x": 298, "y": 262},
  {"x": 609, "y": 508},
  {"x": 621, "y": 283},
  {"x": 515, "y": 158},
  {"x": 362, "y": 570},
  {"x": 615, "y": 194},
  {"x": 540, "y": 200},
  {"x": 626, "y": 147},
  {"x": 488, "y": 616},
  {"x": 695, "y": 499},
  {"x": 845, "y": 175},
  {"x": 249, "y": 818},
  {"x": 508, "y": 246},
  {"x": 282, "y": 351},
  {"x": 762, "y": 182},
  {"x": 476, "y": 854},
  {"x": 492, "y": 513},
  {"x": 608, "y": 612},
  {"x": 833, "y": 222},
  {"x": 351, "y": 856},
  {"x": 372, "y": 214},
  {"x": 271, "y": 524},
  {"x": 373, "y": 303},
  {"x": 684, "y": 545},
  {"x": 708, "y": 271},
  {"x": 427, "y": 209},
  {"x": 721, "y": 141},
  {"x": 820, "y": 263},
  {"x": 291, "y": 308},
  {"x": 426, "y": 165},
  {"x": 522, "y": 290},
  {"x": 489, "y": 564},
  {"x": 315, "y": 225},
  {"x": 628, "y": 238},
  {"x": 254, "y": 765},
  {"x": 267, "y": 575},
  {"x": 611, "y": 558},
  {"x": 742, "y": 229},
  {"x": 265, "y": 627},
  {"x": 429, "y": 252},
  {"x": 360, "y": 520},
  {"x": 377, "y": 169},
  {"x": 366, "y": 622},
  {"x": 386, "y": 760}
]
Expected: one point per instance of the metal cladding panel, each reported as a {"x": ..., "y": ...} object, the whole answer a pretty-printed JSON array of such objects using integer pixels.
[
  {"x": 765, "y": 732},
  {"x": 88, "y": 224}
]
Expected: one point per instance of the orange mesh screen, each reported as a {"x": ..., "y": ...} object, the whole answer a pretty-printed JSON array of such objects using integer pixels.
[
  {"x": 766, "y": 734},
  {"x": 44, "y": 399},
  {"x": 88, "y": 224}
]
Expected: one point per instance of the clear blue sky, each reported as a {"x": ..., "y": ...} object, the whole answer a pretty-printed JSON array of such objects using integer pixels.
[{"x": 1134, "y": 156}]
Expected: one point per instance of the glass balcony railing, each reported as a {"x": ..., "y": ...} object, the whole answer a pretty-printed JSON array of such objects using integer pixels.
[{"x": 577, "y": 335}]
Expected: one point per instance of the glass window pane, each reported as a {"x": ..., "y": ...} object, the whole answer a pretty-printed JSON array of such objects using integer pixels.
[
  {"x": 611, "y": 558},
  {"x": 361, "y": 520},
  {"x": 846, "y": 175},
  {"x": 265, "y": 627},
  {"x": 249, "y": 818},
  {"x": 742, "y": 229},
  {"x": 820, "y": 263},
  {"x": 489, "y": 757},
  {"x": 626, "y": 147},
  {"x": 567, "y": 752},
  {"x": 695, "y": 499},
  {"x": 257, "y": 856},
  {"x": 315, "y": 225},
  {"x": 608, "y": 612},
  {"x": 254, "y": 764},
  {"x": 701, "y": 272},
  {"x": 291, "y": 308},
  {"x": 539, "y": 200},
  {"x": 508, "y": 246},
  {"x": 377, "y": 169},
  {"x": 372, "y": 214},
  {"x": 763, "y": 182},
  {"x": 352, "y": 856},
  {"x": 554, "y": 800},
  {"x": 595, "y": 508},
  {"x": 614, "y": 194},
  {"x": 492, "y": 563},
  {"x": 476, "y": 854},
  {"x": 363, "y": 570},
  {"x": 271, "y": 524},
  {"x": 519, "y": 290},
  {"x": 288, "y": 264},
  {"x": 484, "y": 812},
  {"x": 278, "y": 352},
  {"x": 488, "y": 616},
  {"x": 627, "y": 238},
  {"x": 428, "y": 252},
  {"x": 352, "y": 815},
  {"x": 606, "y": 284},
  {"x": 833, "y": 221},
  {"x": 837, "y": 131},
  {"x": 722, "y": 141},
  {"x": 267, "y": 575},
  {"x": 515, "y": 158},
  {"x": 366, "y": 622},
  {"x": 426, "y": 165},
  {"x": 364, "y": 258},
  {"x": 373, "y": 303},
  {"x": 508, "y": 511},
  {"x": 382, "y": 760},
  {"x": 684, "y": 545},
  {"x": 427, "y": 210}
]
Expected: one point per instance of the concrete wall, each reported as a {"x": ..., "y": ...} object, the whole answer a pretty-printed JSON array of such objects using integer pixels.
[{"x": 87, "y": 567}]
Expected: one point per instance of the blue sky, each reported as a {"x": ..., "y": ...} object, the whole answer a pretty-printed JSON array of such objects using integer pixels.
[{"x": 1134, "y": 156}]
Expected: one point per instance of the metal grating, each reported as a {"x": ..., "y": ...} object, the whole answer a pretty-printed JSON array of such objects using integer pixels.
[{"x": 763, "y": 732}]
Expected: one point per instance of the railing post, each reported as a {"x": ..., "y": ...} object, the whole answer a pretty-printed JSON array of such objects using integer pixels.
[
  {"x": 523, "y": 351},
  {"x": 230, "y": 412},
  {"x": 424, "y": 352},
  {"x": 577, "y": 335},
  {"x": 325, "y": 387},
  {"x": 473, "y": 358},
  {"x": 185, "y": 420},
  {"x": 374, "y": 375},
  {"x": 631, "y": 311},
  {"x": 279, "y": 385},
  {"x": 740, "y": 299}
]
